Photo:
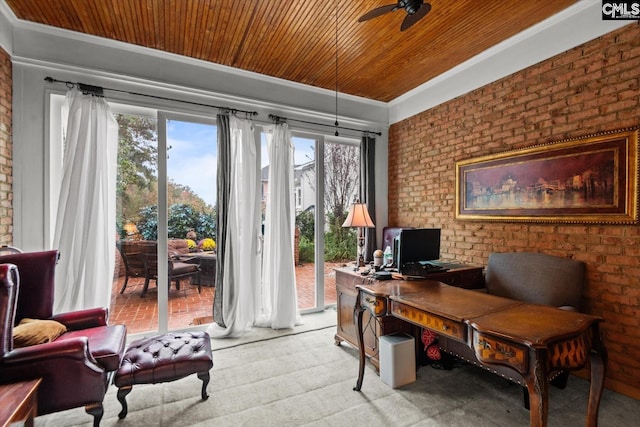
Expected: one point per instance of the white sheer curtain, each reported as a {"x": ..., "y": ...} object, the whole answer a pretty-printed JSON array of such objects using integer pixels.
[
  {"x": 241, "y": 275},
  {"x": 85, "y": 223},
  {"x": 279, "y": 301}
]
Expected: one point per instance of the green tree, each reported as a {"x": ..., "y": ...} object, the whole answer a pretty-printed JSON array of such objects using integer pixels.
[
  {"x": 342, "y": 178},
  {"x": 305, "y": 221},
  {"x": 137, "y": 164},
  {"x": 178, "y": 193}
]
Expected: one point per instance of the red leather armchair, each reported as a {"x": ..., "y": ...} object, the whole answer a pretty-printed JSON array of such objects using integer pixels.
[{"x": 76, "y": 367}]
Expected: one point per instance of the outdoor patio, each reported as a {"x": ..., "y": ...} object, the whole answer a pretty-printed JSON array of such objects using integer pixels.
[{"x": 187, "y": 307}]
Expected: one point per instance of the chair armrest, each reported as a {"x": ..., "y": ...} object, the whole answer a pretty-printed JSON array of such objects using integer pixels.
[
  {"x": 183, "y": 258},
  {"x": 70, "y": 375},
  {"x": 83, "y": 319},
  {"x": 74, "y": 348}
]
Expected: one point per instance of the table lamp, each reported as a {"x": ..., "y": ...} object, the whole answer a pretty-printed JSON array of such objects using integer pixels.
[{"x": 359, "y": 217}]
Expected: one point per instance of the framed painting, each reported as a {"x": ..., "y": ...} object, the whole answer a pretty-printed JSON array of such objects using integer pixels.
[{"x": 593, "y": 179}]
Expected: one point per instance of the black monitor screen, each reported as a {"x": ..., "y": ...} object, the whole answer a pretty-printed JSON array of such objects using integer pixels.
[{"x": 419, "y": 244}]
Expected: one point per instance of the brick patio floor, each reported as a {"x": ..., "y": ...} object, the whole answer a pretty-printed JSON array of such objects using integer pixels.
[{"x": 187, "y": 306}]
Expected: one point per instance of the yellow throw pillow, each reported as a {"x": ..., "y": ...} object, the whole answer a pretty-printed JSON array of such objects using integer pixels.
[{"x": 33, "y": 331}]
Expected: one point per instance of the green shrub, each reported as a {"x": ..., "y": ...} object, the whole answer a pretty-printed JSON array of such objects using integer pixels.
[
  {"x": 307, "y": 250},
  {"x": 340, "y": 247},
  {"x": 182, "y": 219},
  {"x": 305, "y": 221}
]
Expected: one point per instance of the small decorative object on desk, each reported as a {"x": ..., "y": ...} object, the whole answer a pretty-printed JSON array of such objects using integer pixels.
[
  {"x": 377, "y": 258},
  {"x": 388, "y": 256}
]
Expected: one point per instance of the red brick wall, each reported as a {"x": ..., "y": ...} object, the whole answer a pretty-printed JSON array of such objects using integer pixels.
[
  {"x": 592, "y": 88},
  {"x": 6, "y": 180}
]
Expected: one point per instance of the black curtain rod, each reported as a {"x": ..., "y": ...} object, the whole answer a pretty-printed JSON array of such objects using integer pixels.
[
  {"x": 98, "y": 91},
  {"x": 280, "y": 119}
]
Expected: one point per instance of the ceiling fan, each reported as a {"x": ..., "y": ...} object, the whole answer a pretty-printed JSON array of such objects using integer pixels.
[{"x": 416, "y": 10}]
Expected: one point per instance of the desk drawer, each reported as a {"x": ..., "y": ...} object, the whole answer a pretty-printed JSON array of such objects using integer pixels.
[
  {"x": 438, "y": 324},
  {"x": 376, "y": 305},
  {"x": 494, "y": 351}
]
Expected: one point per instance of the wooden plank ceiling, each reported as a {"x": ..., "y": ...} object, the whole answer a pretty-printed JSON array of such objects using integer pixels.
[{"x": 296, "y": 39}]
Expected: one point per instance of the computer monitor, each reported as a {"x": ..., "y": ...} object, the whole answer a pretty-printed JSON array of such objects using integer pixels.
[{"x": 417, "y": 245}]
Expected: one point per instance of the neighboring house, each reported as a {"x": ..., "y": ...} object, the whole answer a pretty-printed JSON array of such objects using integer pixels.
[{"x": 304, "y": 177}]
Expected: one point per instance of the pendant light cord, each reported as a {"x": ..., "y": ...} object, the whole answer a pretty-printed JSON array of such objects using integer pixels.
[{"x": 337, "y": 124}]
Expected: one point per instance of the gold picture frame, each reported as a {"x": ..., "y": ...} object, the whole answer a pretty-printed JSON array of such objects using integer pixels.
[{"x": 591, "y": 179}]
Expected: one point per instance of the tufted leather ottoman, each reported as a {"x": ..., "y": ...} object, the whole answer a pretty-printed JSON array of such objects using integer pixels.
[{"x": 164, "y": 358}]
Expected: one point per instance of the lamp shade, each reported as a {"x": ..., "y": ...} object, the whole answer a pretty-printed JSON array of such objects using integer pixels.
[{"x": 358, "y": 217}]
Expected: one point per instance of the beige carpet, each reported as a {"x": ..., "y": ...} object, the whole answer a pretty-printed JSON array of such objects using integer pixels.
[{"x": 301, "y": 378}]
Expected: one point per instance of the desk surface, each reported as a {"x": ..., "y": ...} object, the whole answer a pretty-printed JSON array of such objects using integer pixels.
[
  {"x": 448, "y": 301},
  {"x": 533, "y": 325}
]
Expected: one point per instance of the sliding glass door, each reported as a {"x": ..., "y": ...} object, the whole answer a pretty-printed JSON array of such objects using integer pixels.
[
  {"x": 166, "y": 192},
  {"x": 191, "y": 218},
  {"x": 341, "y": 179},
  {"x": 326, "y": 179},
  {"x": 166, "y": 202}
]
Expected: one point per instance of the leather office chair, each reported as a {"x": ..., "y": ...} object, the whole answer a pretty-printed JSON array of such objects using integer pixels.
[{"x": 76, "y": 366}]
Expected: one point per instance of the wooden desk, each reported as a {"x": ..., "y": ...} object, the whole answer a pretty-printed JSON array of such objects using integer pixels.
[
  {"x": 19, "y": 402},
  {"x": 530, "y": 339},
  {"x": 347, "y": 279}
]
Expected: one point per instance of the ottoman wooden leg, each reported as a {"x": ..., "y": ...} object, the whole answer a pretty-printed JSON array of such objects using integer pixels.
[
  {"x": 122, "y": 394},
  {"x": 204, "y": 376}
]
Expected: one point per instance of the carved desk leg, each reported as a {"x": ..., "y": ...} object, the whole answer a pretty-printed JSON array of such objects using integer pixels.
[
  {"x": 538, "y": 388},
  {"x": 598, "y": 370},
  {"x": 359, "y": 311}
]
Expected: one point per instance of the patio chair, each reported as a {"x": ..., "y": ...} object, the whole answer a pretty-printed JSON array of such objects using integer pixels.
[
  {"x": 177, "y": 270},
  {"x": 132, "y": 253}
]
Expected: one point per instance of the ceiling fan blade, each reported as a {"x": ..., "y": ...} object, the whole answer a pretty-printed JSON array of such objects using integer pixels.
[
  {"x": 409, "y": 20},
  {"x": 374, "y": 13}
]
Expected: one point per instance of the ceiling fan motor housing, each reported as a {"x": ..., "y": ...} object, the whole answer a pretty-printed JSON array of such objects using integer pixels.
[{"x": 412, "y": 6}]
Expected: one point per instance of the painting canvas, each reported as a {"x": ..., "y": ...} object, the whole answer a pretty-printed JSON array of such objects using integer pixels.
[{"x": 590, "y": 179}]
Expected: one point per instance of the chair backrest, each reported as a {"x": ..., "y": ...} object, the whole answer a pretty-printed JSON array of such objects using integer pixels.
[
  {"x": 133, "y": 253},
  {"x": 536, "y": 278},
  {"x": 176, "y": 247},
  {"x": 8, "y": 293},
  {"x": 37, "y": 282}
]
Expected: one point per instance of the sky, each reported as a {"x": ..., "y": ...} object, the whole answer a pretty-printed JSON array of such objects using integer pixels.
[{"x": 193, "y": 156}]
